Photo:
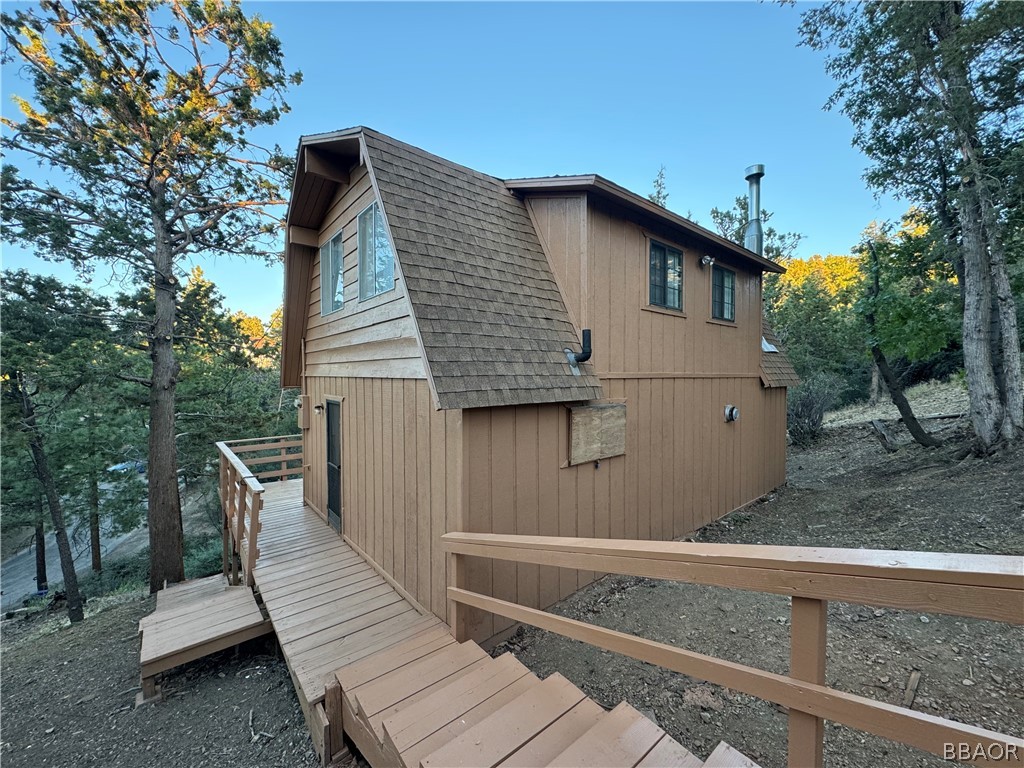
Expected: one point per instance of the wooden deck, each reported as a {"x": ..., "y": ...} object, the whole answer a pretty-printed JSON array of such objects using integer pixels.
[
  {"x": 193, "y": 620},
  {"x": 369, "y": 665},
  {"x": 329, "y": 606}
]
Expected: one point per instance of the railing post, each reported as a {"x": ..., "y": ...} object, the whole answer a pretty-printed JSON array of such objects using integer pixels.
[
  {"x": 240, "y": 520},
  {"x": 224, "y": 533},
  {"x": 807, "y": 644},
  {"x": 457, "y": 611},
  {"x": 254, "y": 530}
]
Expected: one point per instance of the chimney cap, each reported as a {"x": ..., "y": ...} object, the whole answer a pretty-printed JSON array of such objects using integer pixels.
[{"x": 754, "y": 172}]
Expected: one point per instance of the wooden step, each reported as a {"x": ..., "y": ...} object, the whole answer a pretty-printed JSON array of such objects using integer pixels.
[
  {"x": 554, "y": 739},
  {"x": 415, "y": 754},
  {"x": 386, "y": 695},
  {"x": 669, "y": 753},
  {"x": 501, "y": 734},
  {"x": 623, "y": 737},
  {"x": 725, "y": 756},
  {"x": 406, "y": 652},
  {"x": 399, "y": 685},
  {"x": 453, "y": 708}
]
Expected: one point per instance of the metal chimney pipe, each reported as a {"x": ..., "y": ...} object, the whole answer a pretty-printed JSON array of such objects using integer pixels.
[{"x": 754, "y": 237}]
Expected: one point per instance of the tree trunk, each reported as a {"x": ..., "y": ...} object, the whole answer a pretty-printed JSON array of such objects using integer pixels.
[
  {"x": 94, "y": 522},
  {"x": 1010, "y": 376},
  {"x": 42, "y": 585},
  {"x": 991, "y": 346},
  {"x": 986, "y": 406},
  {"x": 900, "y": 401},
  {"x": 42, "y": 469},
  {"x": 166, "y": 546},
  {"x": 882, "y": 365},
  {"x": 874, "y": 393}
]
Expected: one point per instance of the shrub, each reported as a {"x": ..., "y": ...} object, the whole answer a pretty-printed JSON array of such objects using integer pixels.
[
  {"x": 806, "y": 406},
  {"x": 202, "y": 556}
]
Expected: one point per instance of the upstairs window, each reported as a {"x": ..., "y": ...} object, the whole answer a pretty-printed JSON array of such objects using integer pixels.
[
  {"x": 723, "y": 293},
  {"x": 666, "y": 281},
  {"x": 376, "y": 257},
  {"x": 331, "y": 282}
]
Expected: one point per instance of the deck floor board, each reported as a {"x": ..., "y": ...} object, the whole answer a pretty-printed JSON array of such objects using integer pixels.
[
  {"x": 329, "y": 607},
  {"x": 194, "y": 619}
]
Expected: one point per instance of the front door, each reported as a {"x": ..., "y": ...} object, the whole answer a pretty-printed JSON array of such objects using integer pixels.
[{"x": 334, "y": 464}]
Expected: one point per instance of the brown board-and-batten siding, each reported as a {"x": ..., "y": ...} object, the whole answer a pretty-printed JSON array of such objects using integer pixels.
[
  {"x": 677, "y": 474},
  {"x": 401, "y": 477}
]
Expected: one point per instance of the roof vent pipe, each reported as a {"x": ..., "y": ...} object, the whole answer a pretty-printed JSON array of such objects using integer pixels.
[
  {"x": 754, "y": 238},
  {"x": 575, "y": 358}
]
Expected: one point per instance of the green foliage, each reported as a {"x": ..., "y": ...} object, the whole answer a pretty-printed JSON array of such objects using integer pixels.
[
  {"x": 660, "y": 194},
  {"x": 57, "y": 336},
  {"x": 823, "y": 335},
  {"x": 144, "y": 109},
  {"x": 144, "y": 123},
  {"x": 917, "y": 310},
  {"x": 126, "y": 573},
  {"x": 77, "y": 344},
  {"x": 935, "y": 92},
  {"x": 202, "y": 556}
]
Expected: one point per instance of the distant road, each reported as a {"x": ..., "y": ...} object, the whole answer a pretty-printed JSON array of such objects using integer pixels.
[{"x": 18, "y": 572}]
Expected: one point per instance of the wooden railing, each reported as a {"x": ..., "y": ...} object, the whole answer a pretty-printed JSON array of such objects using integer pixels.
[
  {"x": 241, "y": 495},
  {"x": 980, "y": 586}
]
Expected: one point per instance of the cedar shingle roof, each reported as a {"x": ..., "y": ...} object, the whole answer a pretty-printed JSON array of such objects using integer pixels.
[
  {"x": 489, "y": 312},
  {"x": 776, "y": 369}
]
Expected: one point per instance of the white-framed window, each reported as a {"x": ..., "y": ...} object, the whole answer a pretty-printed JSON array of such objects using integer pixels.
[
  {"x": 332, "y": 283},
  {"x": 723, "y": 293},
  {"x": 376, "y": 256}
]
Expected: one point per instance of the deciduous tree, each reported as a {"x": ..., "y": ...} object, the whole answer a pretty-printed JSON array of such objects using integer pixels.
[{"x": 935, "y": 92}]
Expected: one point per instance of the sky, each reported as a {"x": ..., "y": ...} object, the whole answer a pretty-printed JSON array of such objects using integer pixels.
[{"x": 537, "y": 89}]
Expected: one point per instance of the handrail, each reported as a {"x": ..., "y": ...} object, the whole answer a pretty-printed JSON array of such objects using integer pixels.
[
  {"x": 980, "y": 586},
  {"x": 241, "y": 494},
  {"x": 986, "y": 586}
]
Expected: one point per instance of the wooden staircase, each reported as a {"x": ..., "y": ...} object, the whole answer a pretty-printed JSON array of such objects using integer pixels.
[{"x": 431, "y": 702}]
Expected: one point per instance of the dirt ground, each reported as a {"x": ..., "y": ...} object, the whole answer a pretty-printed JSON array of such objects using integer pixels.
[
  {"x": 68, "y": 700},
  {"x": 68, "y": 693},
  {"x": 844, "y": 492}
]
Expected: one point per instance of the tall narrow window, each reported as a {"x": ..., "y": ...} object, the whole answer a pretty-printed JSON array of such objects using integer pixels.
[
  {"x": 666, "y": 281},
  {"x": 723, "y": 293},
  {"x": 332, "y": 285},
  {"x": 376, "y": 257}
]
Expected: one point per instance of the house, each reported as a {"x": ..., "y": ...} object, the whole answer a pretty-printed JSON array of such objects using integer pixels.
[{"x": 434, "y": 318}]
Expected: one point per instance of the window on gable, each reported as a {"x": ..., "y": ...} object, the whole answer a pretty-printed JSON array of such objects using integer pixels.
[
  {"x": 723, "y": 293},
  {"x": 376, "y": 257},
  {"x": 331, "y": 281},
  {"x": 666, "y": 280}
]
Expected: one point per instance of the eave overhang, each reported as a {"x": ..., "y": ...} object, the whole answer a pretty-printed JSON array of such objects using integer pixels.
[{"x": 608, "y": 190}]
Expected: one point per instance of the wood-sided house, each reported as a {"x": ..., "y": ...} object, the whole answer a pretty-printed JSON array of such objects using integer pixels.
[{"x": 428, "y": 312}]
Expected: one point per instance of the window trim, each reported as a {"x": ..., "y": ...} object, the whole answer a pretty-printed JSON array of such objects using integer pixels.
[
  {"x": 647, "y": 304},
  {"x": 721, "y": 318},
  {"x": 324, "y": 311},
  {"x": 359, "y": 253}
]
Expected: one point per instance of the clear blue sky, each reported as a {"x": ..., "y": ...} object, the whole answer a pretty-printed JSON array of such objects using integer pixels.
[{"x": 534, "y": 89}]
